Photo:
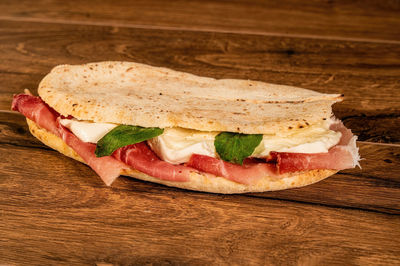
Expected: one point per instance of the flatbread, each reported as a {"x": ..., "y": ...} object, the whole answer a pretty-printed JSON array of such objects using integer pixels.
[
  {"x": 137, "y": 94},
  {"x": 197, "y": 181}
]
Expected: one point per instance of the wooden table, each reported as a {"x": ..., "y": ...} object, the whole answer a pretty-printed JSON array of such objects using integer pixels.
[{"x": 57, "y": 211}]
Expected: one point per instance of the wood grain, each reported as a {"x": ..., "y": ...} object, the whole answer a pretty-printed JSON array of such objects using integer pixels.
[
  {"x": 56, "y": 211},
  {"x": 359, "y": 70},
  {"x": 368, "y": 189},
  {"x": 364, "y": 20},
  {"x": 380, "y": 127},
  {"x": 77, "y": 219}
]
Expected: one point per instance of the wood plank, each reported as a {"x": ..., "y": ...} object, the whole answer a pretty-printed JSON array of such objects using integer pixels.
[
  {"x": 366, "y": 20},
  {"x": 359, "y": 70},
  {"x": 369, "y": 188},
  {"x": 52, "y": 219}
]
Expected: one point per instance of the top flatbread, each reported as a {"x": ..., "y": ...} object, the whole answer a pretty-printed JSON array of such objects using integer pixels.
[{"x": 137, "y": 94}]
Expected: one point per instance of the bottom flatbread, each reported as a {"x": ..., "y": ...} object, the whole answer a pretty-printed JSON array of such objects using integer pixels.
[{"x": 197, "y": 181}]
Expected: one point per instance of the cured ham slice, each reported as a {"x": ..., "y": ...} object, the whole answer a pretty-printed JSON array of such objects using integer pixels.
[
  {"x": 108, "y": 168},
  {"x": 140, "y": 157},
  {"x": 248, "y": 173},
  {"x": 36, "y": 110},
  {"x": 344, "y": 155},
  {"x": 337, "y": 158}
]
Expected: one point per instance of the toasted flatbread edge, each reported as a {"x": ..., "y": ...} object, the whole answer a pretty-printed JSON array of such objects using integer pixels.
[
  {"x": 68, "y": 89},
  {"x": 198, "y": 182}
]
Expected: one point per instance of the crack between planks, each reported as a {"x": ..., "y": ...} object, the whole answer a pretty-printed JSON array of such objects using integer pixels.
[
  {"x": 360, "y": 141},
  {"x": 18, "y": 73},
  {"x": 389, "y": 115},
  {"x": 26, "y": 146},
  {"x": 393, "y": 183},
  {"x": 204, "y": 29},
  {"x": 10, "y": 112},
  {"x": 379, "y": 143},
  {"x": 395, "y": 212},
  {"x": 332, "y": 206}
]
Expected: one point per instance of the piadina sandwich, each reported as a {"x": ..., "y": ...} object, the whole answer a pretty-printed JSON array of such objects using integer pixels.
[{"x": 186, "y": 131}]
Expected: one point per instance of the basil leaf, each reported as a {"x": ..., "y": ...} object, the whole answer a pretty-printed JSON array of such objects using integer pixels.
[
  {"x": 235, "y": 147},
  {"x": 124, "y": 135}
]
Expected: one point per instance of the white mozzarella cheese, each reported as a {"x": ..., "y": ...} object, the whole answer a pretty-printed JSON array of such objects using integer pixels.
[{"x": 87, "y": 131}]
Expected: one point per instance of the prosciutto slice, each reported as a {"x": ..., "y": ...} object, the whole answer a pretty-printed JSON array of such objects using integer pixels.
[
  {"x": 36, "y": 110},
  {"x": 248, "y": 173},
  {"x": 140, "y": 157},
  {"x": 344, "y": 155},
  {"x": 108, "y": 168}
]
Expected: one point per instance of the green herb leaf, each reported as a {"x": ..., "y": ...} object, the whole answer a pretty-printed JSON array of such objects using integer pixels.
[
  {"x": 235, "y": 147},
  {"x": 124, "y": 135}
]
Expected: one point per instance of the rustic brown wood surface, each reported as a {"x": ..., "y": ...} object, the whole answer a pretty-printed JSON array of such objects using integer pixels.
[
  {"x": 55, "y": 210},
  {"x": 370, "y": 20},
  {"x": 357, "y": 69}
]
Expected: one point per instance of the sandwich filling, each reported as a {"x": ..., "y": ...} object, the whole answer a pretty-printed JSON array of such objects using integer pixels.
[
  {"x": 177, "y": 145},
  {"x": 173, "y": 154}
]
